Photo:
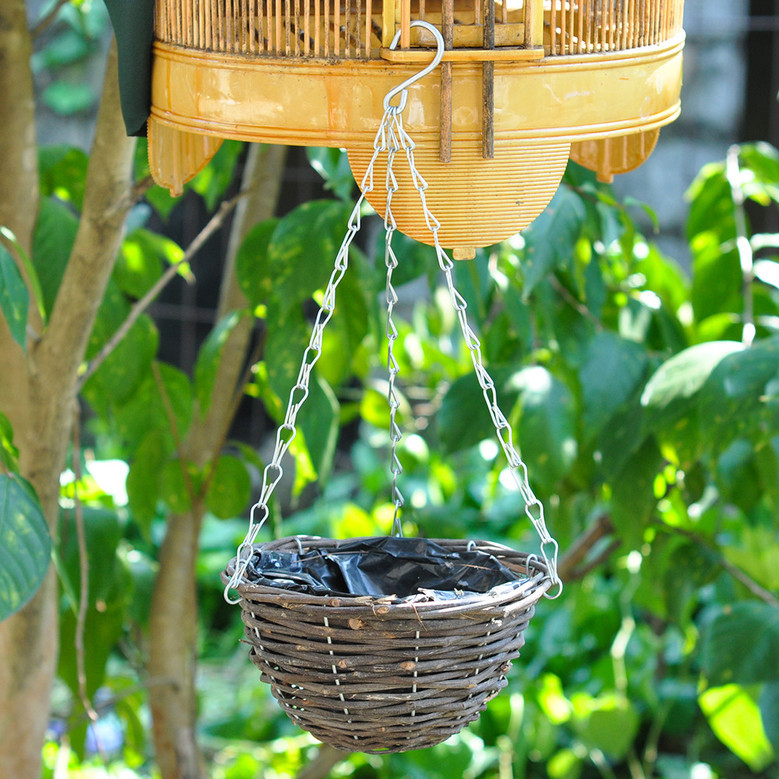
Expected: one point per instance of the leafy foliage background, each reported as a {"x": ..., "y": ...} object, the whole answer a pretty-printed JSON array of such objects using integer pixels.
[{"x": 646, "y": 403}]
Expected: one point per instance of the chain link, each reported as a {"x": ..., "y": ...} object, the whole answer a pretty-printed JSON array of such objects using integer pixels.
[{"x": 392, "y": 138}]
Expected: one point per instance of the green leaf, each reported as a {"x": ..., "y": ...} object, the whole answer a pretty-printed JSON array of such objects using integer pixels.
[
  {"x": 212, "y": 182},
  {"x": 463, "y": 419},
  {"x": 319, "y": 425},
  {"x": 113, "y": 310},
  {"x": 63, "y": 172},
  {"x": 711, "y": 204},
  {"x": 735, "y": 719},
  {"x": 546, "y": 433},
  {"x": 608, "y": 722},
  {"x": 210, "y": 356},
  {"x": 756, "y": 552},
  {"x": 740, "y": 397},
  {"x": 25, "y": 544},
  {"x": 148, "y": 408},
  {"x": 760, "y": 162},
  {"x": 252, "y": 264},
  {"x": 769, "y": 713},
  {"x": 230, "y": 488},
  {"x": 741, "y": 645},
  {"x": 678, "y": 379},
  {"x": 549, "y": 240},
  {"x": 174, "y": 489},
  {"x": 52, "y": 243},
  {"x": 9, "y": 454},
  {"x": 67, "y": 99},
  {"x": 333, "y": 166},
  {"x": 633, "y": 499},
  {"x": 102, "y": 533},
  {"x": 141, "y": 259},
  {"x": 716, "y": 278},
  {"x": 14, "y": 299},
  {"x": 611, "y": 371},
  {"x": 298, "y": 248},
  {"x": 144, "y": 478},
  {"x": 121, "y": 373},
  {"x": 285, "y": 344}
]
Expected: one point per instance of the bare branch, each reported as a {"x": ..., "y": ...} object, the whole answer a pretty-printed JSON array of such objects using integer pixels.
[
  {"x": 83, "y": 563},
  {"x": 141, "y": 305},
  {"x": 582, "y": 545}
]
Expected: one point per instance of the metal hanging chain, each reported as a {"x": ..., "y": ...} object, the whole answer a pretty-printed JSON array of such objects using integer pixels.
[
  {"x": 287, "y": 430},
  {"x": 392, "y": 138},
  {"x": 393, "y": 368}
]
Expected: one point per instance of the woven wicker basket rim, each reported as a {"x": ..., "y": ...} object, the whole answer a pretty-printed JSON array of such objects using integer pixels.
[{"x": 518, "y": 594}]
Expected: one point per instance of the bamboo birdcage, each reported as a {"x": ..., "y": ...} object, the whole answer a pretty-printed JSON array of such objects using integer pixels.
[{"x": 524, "y": 85}]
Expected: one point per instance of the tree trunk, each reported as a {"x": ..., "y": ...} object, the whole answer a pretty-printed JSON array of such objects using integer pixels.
[
  {"x": 38, "y": 390},
  {"x": 174, "y": 619}
]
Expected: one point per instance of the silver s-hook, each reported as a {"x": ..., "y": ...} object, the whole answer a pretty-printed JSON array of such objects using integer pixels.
[{"x": 401, "y": 89}]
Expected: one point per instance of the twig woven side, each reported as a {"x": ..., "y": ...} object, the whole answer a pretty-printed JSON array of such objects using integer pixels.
[{"x": 373, "y": 674}]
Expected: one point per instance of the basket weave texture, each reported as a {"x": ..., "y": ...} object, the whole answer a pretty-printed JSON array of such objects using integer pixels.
[{"x": 372, "y": 674}]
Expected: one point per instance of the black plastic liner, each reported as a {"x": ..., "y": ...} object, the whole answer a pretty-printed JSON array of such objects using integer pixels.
[{"x": 381, "y": 567}]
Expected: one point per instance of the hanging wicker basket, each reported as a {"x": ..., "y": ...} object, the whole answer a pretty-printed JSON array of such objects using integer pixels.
[
  {"x": 381, "y": 669},
  {"x": 376, "y": 674}
]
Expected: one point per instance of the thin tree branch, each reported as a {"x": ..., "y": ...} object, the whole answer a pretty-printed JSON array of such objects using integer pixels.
[
  {"x": 83, "y": 562},
  {"x": 582, "y": 545},
  {"x": 741, "y": 576},
  {"x": 575, "y": 304},
  {"x": 733, "y": 570},
  {"x": 140, "y": 306}
]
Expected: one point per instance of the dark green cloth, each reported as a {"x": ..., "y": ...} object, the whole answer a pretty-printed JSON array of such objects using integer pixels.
[{"x": 133, "y": 22}]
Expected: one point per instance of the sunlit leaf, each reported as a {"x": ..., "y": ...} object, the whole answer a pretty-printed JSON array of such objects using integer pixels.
[
  {"x": 303, "y": 248},
  {"x": 230, "y": 488},
  {"x": 9, "y": 454},
  {"x": 546, "y": 432},
  {"x": 63, "y": 172},
  {"x": 683, "y": 375},
  {"x": 252, "y": 266},
  {"x": 735, "y": 719},
  {"x": 608, "y": 722},
  {"x": 741, "y": 395}
]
